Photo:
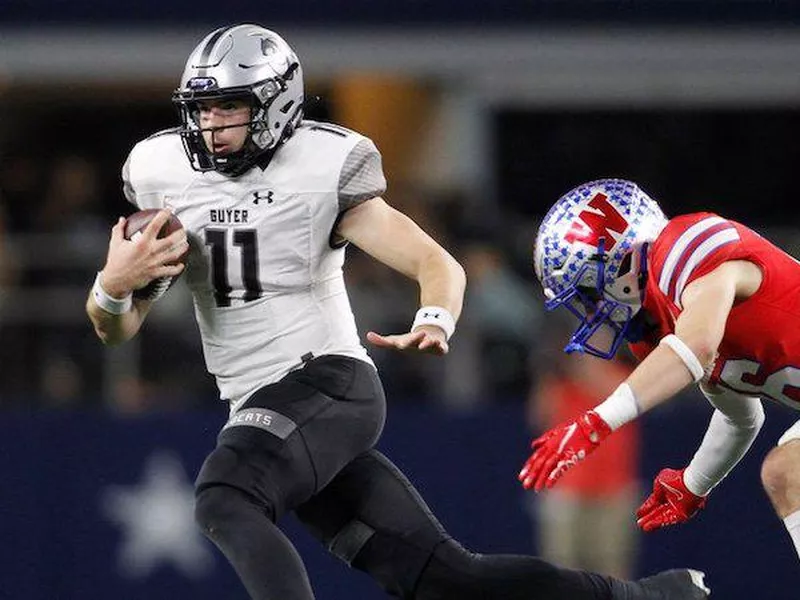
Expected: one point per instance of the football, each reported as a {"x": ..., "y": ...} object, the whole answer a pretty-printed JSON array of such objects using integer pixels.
[{"x": 134, "y": 225}]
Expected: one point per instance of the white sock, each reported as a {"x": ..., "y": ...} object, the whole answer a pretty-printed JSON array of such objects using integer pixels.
[{"x": 792, "y": 523}]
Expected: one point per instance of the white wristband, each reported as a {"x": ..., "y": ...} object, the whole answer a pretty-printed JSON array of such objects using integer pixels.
[
  {"x": 438, "y": 316},
  {"x": 115, "y": 306},
  {"x": 619, "y": 408},
  {"x": 685, "y": 353}
]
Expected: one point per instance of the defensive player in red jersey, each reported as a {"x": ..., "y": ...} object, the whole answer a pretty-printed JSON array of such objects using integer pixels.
[{"x": 701, "y": 299}]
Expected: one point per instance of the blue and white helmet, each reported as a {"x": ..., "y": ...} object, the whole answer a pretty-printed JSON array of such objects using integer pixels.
[{"x": 591, "y": 256}]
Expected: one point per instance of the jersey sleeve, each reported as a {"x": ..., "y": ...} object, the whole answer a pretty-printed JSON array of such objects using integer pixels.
[
  {"x": 362, "y": 177},
  {"x": 155, "y": 169},
  {"x": 693, "y": 246},
  {"x": 641, "y": 350},
  {"x": 127, "y": 186}
]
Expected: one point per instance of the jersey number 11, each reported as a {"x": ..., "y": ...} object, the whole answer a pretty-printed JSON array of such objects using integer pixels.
[{"x": 247, "y": 241}]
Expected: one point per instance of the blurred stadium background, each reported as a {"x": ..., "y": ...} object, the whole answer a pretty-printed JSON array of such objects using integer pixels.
[{"x": 485, "y": 113}]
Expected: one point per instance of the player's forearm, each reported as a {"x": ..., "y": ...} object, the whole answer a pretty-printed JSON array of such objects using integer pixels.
[
  {"x": 442, "y": 281},
  {"x": 115, "y": 329},
  {"x": 657, "y": 379},
  {"x": 731, "y": 431},
  {"x": 723, "y": 446}
]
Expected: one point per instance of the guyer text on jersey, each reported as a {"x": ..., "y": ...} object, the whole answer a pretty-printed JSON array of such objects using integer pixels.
[{"x": 228, "y": 215}]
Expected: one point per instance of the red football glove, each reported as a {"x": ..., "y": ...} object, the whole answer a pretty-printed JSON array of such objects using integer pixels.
[
  {"x": 561, "y": 448},
  {"x": 669, "y": 504}
]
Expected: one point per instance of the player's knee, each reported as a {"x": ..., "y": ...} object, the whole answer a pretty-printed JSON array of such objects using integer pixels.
[
  {"x": 453, "y": 571},
  {"x": 394, "y": 562},
  {"x": 219, "y": 507},
  {"x": 208, "y": 507},
  {"x": 455, "y": 556},
  {"x": 212, "y": 509},
  {"x": 780, "y": 470}
]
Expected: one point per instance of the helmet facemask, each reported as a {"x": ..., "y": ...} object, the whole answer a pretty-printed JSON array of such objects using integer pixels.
[{"x": 596, "y": 307}]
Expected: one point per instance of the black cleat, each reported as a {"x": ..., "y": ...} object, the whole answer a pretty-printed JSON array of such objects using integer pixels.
[{"x": 675, "y": 584}]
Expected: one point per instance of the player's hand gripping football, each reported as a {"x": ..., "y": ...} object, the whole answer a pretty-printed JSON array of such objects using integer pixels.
[
  {"x": 670, "y": 503},
  {"x": 561, "y": 448},
  {"x": 131, "y": 265},
  {"x": 425, "y": 338}
]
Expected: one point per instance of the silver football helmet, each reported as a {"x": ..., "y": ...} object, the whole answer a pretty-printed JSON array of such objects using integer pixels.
[{"x": 241, "y": 61}]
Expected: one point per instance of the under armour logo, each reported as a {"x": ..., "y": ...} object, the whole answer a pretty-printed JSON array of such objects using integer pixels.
[
  {"x": 258, "y": 196},
  {"x": 428, "y": 315}
]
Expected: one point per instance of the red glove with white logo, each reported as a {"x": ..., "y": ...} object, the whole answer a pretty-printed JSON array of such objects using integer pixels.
[
  {"x": 670, "y": 503},
  {"x": 561, "y": 448}
]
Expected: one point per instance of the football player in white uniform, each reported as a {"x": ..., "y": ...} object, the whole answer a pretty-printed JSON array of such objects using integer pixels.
[{"x": 268, "y": 201}]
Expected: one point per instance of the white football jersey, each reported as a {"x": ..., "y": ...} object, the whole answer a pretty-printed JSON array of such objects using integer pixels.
[{"x": 263, "y": 268}]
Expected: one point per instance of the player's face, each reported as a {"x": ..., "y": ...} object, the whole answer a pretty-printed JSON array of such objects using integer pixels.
[{"x": 224, "y": 124}]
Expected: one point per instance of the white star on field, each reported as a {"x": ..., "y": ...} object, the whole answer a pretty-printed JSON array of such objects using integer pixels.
[{"x": 157, "y": 517}]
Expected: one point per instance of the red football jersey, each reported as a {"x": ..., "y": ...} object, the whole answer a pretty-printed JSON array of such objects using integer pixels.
[{"x": 760, "y": 351}]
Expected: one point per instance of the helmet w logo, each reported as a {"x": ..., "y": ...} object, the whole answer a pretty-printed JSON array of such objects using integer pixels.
[{"x": 601, "y": 222}]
